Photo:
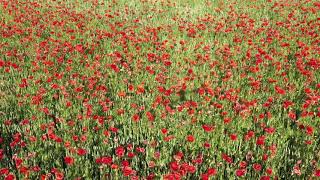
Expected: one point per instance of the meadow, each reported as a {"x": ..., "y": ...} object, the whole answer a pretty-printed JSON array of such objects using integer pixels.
[{"x": 159, "y": 89}]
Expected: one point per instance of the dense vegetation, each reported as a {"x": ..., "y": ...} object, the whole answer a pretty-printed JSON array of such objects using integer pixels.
[{"x": 147, "y": 89}]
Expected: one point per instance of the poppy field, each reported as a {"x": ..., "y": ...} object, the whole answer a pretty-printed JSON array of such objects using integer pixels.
[{"x": 159, "y": 89}]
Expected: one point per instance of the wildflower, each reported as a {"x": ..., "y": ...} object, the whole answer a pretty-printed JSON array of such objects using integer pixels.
[
  {"x": 261, "y": 140},
  {"x": 68, "y": 160},
  {"x": 81, "y": 151},
  {"x": 257, "y": 167},
  {"x": 120, "y": 151},
  {"x": 190, "y": 138},
  {"x": 240, "y": 172},
  {"x": 207, "y": 128}
]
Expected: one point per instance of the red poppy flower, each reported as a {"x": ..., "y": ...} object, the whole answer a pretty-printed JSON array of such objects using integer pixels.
[
  {"x": 233, "y": 137},
  {"x": 292, "y": 115},
  {"x": 192, "y": 32},
  {"x": 81, "y": 151},
  {"x": 115, "y": 68},
  {"x": 257, "y": 167},
  {"x": 151, "y": 164},
  {"x": 190, "y": 138},
  {"x": 4, "y": 171},
  {"x": 243, "y": 164},
  {"x": 164, "y": 131},
  {"x": 287, "y": 104},
  {"x": 127, "y": 171},
  {"x": 156, "y": 155},
  {"x": 120, "y": 151},
  {"x": 191, "y": 169},
  {"x": 261, "y": 140},
  {"x": 309, "y": 130},
  {"x": 114, "y": 166},
  {"x": 2, "y": 63},
  {"x": 241, "y": 172},
  {"x": 212, "y": 171},
  {"x": 178, "y": 156},
  {"x": 140, "y": 149},
  {"x": 174, "y": 166},
  {"x": 227, "y": 158},
  {"x": 205, "y": 176},
  {"x": 125, "y": 163},
  {"x": 279, "y": 90},
  {"x": 249, "y": 135},
  {"x": 167, "y": 63},
  {"x": 207, "y": 145},
  {"x": 265, "y": 178},
  {"x": 150, "y": 116},
  {"x": 59, "y": 175},
  {"x": 265, "y": 157},
  {"x": 10, "y": 177},
  {"x": 269, "y": 130},
  {"x": 151, "y": 176},
  {"x": 68, "y": 160},
  {"x": 207, "y": 128},
  {"x": 106, "y": 160},
  {"x": 79, "y": 48},
  {"x": 172, "y": 176},
  {"x": 131, "y": 155},
  {"x": 135, "y": 117},
  {"x": 269, "y": 171},
  {"x": 1, "y": 154},
  {"x": 227, "y": 120}
]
